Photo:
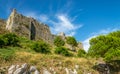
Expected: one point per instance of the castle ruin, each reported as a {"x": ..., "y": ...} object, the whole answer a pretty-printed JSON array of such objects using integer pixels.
[{"x": 28, "y": 27}]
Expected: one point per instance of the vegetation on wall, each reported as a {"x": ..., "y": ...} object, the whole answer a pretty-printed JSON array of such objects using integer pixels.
[{"x": 58, "y": 41}]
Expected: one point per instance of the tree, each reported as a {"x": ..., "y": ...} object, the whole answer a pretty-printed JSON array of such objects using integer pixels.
[
  {"x": 58, "y": 41},
  {"x": 72, "y": 41},
  {"x": 106, "y": 46}
]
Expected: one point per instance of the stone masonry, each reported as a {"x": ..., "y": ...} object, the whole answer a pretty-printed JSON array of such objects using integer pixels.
[{"x": 28, "y": 27}]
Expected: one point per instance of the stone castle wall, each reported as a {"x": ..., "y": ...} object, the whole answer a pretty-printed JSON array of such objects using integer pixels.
[
  {"x": 28, "y": 27},
  {"x": 2, "y": 26}
]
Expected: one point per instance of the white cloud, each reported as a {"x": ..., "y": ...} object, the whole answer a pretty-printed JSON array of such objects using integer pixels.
[
  {"x": 64, "y": 25},
  {"x": 86, "y": 44},
  {"x": 71, "y": 34},
  {"x": 105, "y": 31}
]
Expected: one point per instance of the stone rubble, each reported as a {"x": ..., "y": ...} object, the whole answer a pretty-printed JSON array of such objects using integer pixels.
[
  {"x": 23, "y": 69},
  {"x": 27, "y": 69}
]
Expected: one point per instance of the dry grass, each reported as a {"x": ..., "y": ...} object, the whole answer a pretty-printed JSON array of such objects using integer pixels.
[{"x": 59, "y": 63}]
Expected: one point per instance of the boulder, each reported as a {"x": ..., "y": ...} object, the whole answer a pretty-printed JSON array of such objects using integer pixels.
[
  {"x": 36, "y": 72},
  {"x": 11, "y": 69},
  {"x": 25, "y": 66},
  {"x": 19, "y": 71},
  {"x": 102, "y": 68},
  {"x": 33, "y": 69}
]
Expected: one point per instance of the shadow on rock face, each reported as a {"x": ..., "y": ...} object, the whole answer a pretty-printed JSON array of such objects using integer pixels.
[{"x": 102, "y": 68}]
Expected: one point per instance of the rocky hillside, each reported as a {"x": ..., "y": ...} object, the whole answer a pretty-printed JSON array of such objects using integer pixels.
[
  {"x": 19, "y": 55},
  {"x": 28, "y": 47}
]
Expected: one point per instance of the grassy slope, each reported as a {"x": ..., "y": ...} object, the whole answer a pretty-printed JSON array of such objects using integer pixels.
[{"x": 24, "y": 54}]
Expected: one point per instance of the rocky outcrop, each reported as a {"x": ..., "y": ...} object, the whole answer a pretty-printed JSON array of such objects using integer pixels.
[
  {"x": 28, "y": 27},
  {"x": 27, "y": 69},
  {"x": 23, "y": 69},
  {"x": 72, "y": 48},
  {"x": 102, "y": 68}
]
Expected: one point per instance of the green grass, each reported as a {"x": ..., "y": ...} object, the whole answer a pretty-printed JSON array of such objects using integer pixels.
[{"x": 7, "y": 54}]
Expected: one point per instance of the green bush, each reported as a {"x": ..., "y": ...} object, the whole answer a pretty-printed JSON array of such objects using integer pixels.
[
  {"x": 58, "y": 41},
  {"x": 9, "y": 40},
  {"x": 81, "y": 53},
  {"x": 41, "y": 47},
  {"x": 2, "y": 43},
  {"x": 62, "y": 51}
]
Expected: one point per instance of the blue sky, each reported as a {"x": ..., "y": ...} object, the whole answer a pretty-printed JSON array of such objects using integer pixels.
[{"x": 83, "y": 19}]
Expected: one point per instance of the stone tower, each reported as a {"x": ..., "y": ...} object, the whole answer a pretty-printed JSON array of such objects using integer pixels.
[{"x": 10, "y": 21}]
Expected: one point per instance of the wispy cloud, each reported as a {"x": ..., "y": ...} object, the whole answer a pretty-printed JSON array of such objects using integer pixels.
[
  {"x": 86, "y": 44},
  {"x": 64, "y": 25},
  {"x": 105, "y": 31}
]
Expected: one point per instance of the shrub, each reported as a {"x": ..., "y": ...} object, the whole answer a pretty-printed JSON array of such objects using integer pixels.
[
  {"x": 2, "y": 43},
  {"x": 9, "y": 40},
  {"x": 58, "y": 41},
  {"x": 41, "y": 47},
  {"x": 81, "y": 53},
  {"x": 62, "y": 51},
  {"x": 72, "y": 41}
]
